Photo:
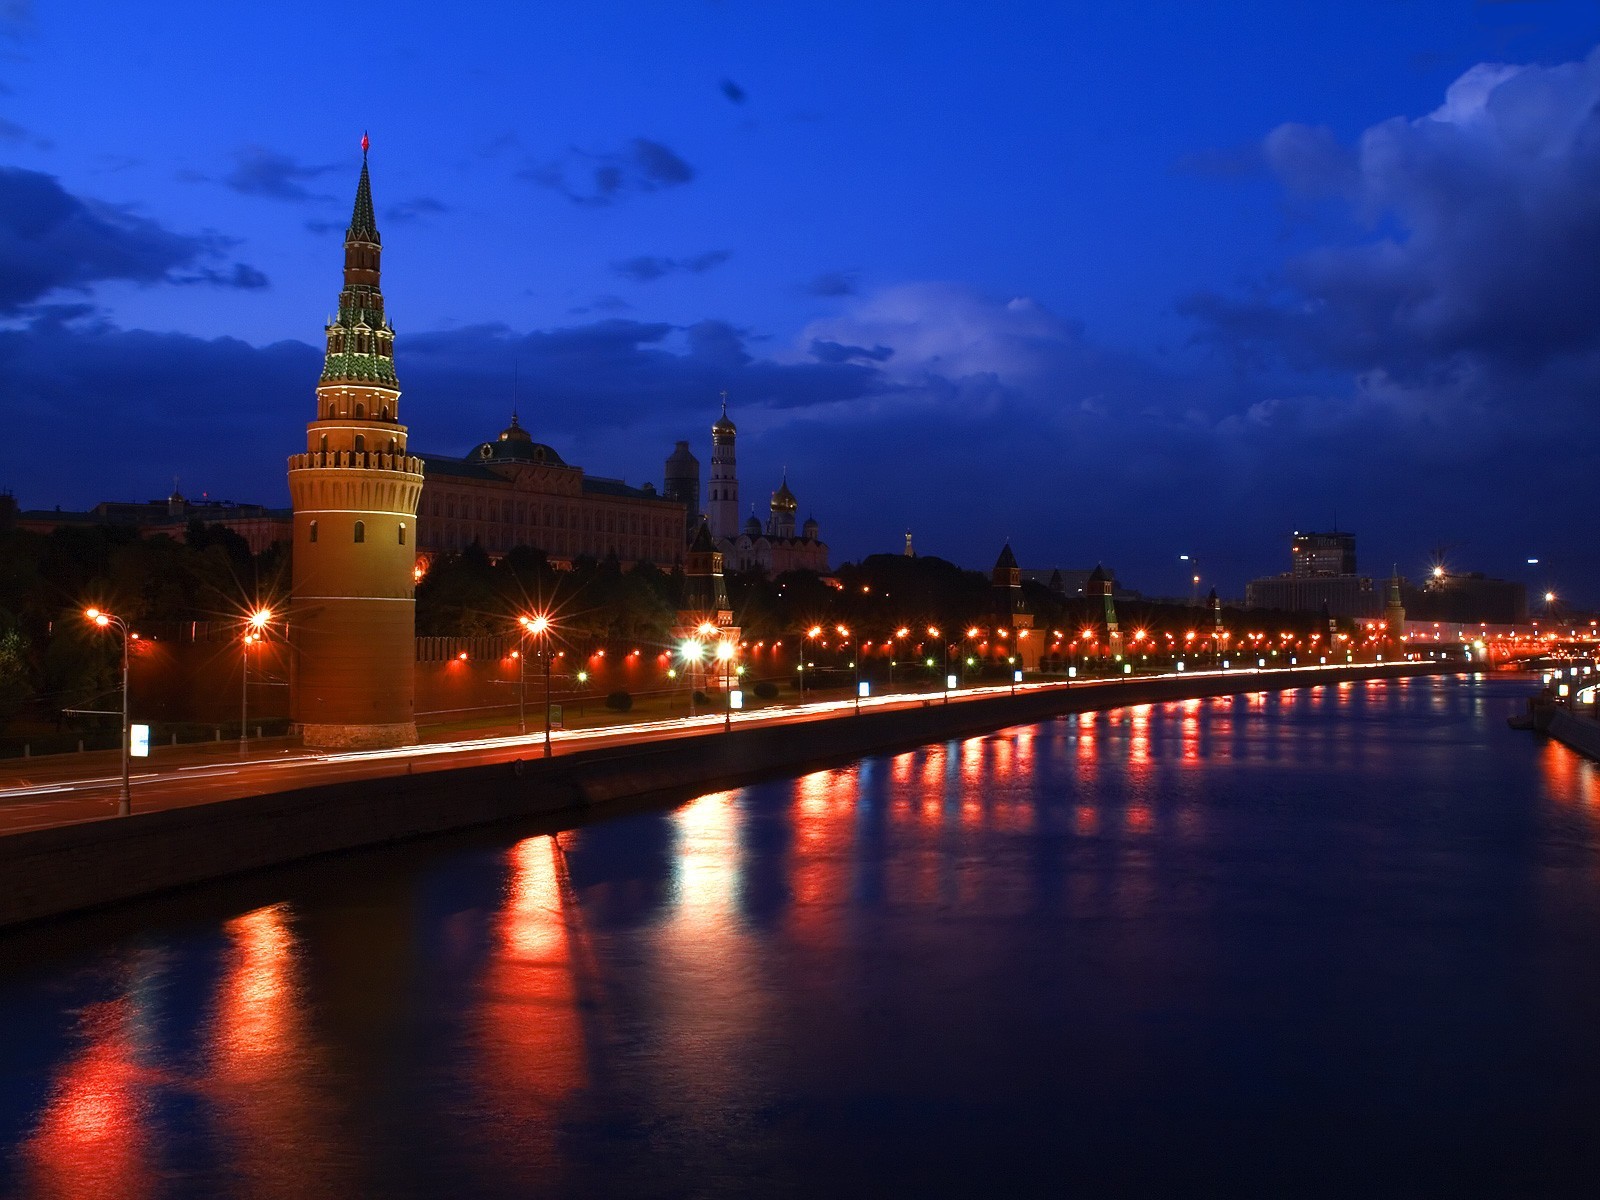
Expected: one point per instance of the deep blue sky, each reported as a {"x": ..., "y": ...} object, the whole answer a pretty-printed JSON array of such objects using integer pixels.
[{"x": 1117, "y": 282}]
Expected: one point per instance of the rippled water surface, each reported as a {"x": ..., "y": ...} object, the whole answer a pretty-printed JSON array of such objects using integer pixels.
[{"x": 1343, "y": 940}]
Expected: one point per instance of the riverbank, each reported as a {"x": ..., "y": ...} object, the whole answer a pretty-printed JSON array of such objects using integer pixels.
[{"x": 51, "y": 872}]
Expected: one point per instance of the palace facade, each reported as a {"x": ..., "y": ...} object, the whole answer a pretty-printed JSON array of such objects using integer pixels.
[{"x": 514, "y": 491}]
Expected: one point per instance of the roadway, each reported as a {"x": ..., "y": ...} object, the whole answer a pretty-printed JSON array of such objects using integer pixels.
[{"x": 68, "y": 789}]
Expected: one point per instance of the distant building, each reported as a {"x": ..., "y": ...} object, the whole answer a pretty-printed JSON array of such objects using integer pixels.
[
  {"x": 515, "y": 491},
  {"x": 257, "y": 525},
  {"x": 1072, "y": 583},
  {"x": 1470, "y": 598},
  {"x": 680, "y": 481},
  {"x": 773, "y": 548},
  {"x": 1322, "y": 574},
  {"x": 1318, "y": 554},
  {"x": 1344, "y": 595}
]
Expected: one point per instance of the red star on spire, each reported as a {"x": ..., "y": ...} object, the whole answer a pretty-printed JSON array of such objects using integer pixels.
[{"x": 365, "y": 142}]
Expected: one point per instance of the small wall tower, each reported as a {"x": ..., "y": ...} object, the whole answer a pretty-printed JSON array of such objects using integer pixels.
[
  {"x": 355, "y": 493},
  {"x": 722, "y": 505},
  {"x": 1394, "y": 615}
]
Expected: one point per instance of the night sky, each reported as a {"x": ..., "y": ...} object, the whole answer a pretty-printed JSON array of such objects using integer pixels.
[{"x": 1116, "y": 282}]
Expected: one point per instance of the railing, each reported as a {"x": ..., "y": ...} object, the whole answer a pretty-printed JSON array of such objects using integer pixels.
[{"x": 372, "y": 460}]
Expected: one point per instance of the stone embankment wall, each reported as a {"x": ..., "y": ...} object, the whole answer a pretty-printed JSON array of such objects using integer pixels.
[
  {"x": 1578, "y": 732},
  {"x": 49, "y": 872}
]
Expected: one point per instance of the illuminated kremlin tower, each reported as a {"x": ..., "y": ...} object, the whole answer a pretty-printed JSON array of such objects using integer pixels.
[{"x": 355, "y": 493}]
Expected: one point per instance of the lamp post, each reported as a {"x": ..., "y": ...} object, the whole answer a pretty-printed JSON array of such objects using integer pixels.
[
  {"x": 944, "y": 660},
  {"x": 855, "y": 664},
  {"x": 725, "y": 657},
  {"x": 255, "y": 631},
  {"x": 539, "y": 626},
  {"x": 812, "y": 635},
  {"x": 692, "y": 651},
  {"x": 104, "y": 619}
]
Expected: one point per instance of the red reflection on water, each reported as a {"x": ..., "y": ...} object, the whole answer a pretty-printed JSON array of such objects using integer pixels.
[
  {"x": 1572, "y": 781},
  {"x": 972, "y": 762},
  {"x": 1189, "y": 730},
  {"x": 530, "y": 1045},
  {"x": 1088, "y": 820},
  {"x": 824, "y": 826},
  {"x": 900, "y": 767},
  {"x": 92, "y": 1138},
  {"x": 1087, "y": 739},
  {"x": 266, "y": 1069},
  {"x": 1140, "y": 819}
]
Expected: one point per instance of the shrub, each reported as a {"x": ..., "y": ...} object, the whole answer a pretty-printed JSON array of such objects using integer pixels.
[
  {"x": 766, "y": 690},
  {"x": 619, "y": 701},
  {"x": 700, "y": 697}
]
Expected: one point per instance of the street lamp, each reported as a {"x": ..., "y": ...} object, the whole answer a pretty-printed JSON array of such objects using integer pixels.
[
  {"x": 812, "y": 635},
  {"x": 103, "y": 619},
  {"x": 725, "y": 652},
  {"x": 692, "y": 651},
  {"x": 855, "y": 663},
  {"x": 539, "y": 627},
  {"x": 894, "y": 651},
  {"x": 254, "y": 631},
  {"x": 944, "y": 660}
]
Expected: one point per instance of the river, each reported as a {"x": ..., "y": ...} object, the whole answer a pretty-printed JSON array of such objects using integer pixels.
[{"x": 1341, "y": 940}]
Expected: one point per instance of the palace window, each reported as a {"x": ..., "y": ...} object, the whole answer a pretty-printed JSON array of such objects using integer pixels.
[
  {"x": 361, "y": 443},
  {"x": 402, "y": 533},
  {"x": 313, "y": 531},
  {"x": 361, "y": 531},
  {"x": 361, "y": 412}
]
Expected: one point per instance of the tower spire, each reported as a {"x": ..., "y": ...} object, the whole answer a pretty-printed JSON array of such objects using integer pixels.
[{"x": 363, "y": 226}]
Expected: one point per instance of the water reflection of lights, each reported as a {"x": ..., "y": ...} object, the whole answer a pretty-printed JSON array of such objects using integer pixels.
[
  {"x": 93, "y": 1137},
  {"x": 265, "y": 1064},
  {"x": 529, "y": 1049}
]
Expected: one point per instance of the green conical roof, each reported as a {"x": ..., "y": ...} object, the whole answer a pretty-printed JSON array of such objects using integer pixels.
[{"x": 363, "y": 226}]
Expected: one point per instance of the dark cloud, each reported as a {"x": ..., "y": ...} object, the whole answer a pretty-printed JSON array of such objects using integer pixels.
[
  {"x": 241, "y": 276},
  {"x": 261, "y": 172},
  {"x": 833, "y": 283},
  {"x": 52, "y": 240},
  {"x": 647, "y": 268},
  {"x": 834, "y": 352},
  {"x": 598, "y": 179},
  {"x": 415, "y": 209},
  {"x": 1105, "y": 456},
  {"x": 659, "y": 164},
  {"x": 600, "y": 304},
  {"x": 733, "y": 91},
  {"x": 1469, "y": 240}
]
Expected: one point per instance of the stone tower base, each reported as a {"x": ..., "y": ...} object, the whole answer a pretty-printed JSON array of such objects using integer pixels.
[{"x": 360, "y": 737}]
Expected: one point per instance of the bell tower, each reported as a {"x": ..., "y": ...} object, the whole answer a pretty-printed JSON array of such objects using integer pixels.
[
  {"x": 722, "y": 507},
  {"x": 355, "y": 493}
]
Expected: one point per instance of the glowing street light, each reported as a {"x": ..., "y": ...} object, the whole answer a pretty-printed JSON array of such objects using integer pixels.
[
  {"x": 103, "y": 620},
  {"x": 812, "y": 635},
  {"x": 538, "y": 626},
  {"x": 255, "y": 627},
  {"x": 692, "y": 651}
]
